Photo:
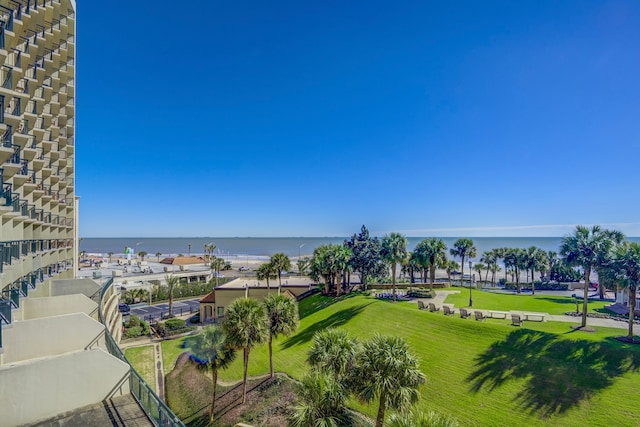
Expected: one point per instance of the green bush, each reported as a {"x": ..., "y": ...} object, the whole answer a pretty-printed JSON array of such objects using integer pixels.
[
  {"x": 547, "y": 286},
  {"x": 174, "y": 323},
  {"x": 133, "y": 322},
  {"x": 136, "y": 327},
  {"x": 133, "y": 332},
  {"x": 419, "y": 293}
]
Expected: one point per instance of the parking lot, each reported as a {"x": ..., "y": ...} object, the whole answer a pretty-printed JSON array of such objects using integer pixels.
[{"x": 158, "y": 311}]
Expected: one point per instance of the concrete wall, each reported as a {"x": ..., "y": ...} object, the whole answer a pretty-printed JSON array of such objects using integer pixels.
[
  {"x": 75, "y": 286},
  {"x": 36, "y": 308},
  {"x": 43, "y": 388},
  {"x": 51, "y": 336},
  {"x": 111, "y": 314}
]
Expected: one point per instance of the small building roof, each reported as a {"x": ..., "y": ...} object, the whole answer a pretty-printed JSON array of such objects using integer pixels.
[
  {"x": 183, "y": 260},
  {"x": 210, "y": 297}
]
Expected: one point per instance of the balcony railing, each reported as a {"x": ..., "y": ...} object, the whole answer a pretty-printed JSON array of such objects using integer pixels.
[
  {"x": 2, "y": 35},
  {"x": 6, "y": 196},
  {"x": 7, "y": 138},
  {"x": 15, "y": 111},
  {"x": 7, "y": 77},
  {"x": 12, "y": 295},
  {"x": 24, "y": 167},
  {"x": 5, "y": 311}
]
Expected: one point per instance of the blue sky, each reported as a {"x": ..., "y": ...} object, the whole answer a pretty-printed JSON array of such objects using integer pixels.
[{"x": 289, "y": 118}]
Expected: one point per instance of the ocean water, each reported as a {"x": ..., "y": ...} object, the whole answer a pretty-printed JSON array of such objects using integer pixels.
[{"x": 249, "y": 247}]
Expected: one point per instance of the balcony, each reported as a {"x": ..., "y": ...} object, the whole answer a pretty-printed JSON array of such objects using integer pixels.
[{"x": 6, "y": 77}]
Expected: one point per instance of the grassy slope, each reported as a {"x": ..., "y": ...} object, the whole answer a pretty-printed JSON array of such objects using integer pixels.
[
  {"x": 483, "y": 373},
  {"x": 143, "y": 359},
  {"x": 171, "y": 349},
  {"x": 523, "y": 302}
]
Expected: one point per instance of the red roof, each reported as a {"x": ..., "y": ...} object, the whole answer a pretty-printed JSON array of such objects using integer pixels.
[{"x": 210, "y": 297}]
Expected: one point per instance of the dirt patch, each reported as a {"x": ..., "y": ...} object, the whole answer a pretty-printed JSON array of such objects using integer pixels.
[
  {"x": 268, "y": 403},
  {"x": 583, "y": 329}
]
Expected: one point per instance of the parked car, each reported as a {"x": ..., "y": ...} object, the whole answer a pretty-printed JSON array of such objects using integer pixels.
[
  {"x": 243, "y": 268},
  {"x": 124, "y": 308},
  {"x": 218, "y": 275}
]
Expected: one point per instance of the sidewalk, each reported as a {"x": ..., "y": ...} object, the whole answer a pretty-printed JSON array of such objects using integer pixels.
[{"x": 441, "y": 296}]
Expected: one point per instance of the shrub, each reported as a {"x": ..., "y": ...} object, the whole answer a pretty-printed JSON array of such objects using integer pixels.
[
  {"x": 546, "y": 286},
  {"x": 174, "y": 323},
  {"x": 133, "y": 322},
  {"x": 133, "y": 332},
  {"x": 419, "y": 293}
]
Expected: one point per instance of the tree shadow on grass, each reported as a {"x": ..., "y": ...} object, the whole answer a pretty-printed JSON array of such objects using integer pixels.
[
  {"x": 558, "y": 373},
  {"x": 558, "y": 300},
  {"x": 337, "y": 319},
  {"x": 318, "y": 302}
]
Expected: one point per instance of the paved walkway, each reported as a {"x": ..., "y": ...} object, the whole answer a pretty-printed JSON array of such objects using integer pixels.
[
  {"x": 119, "y": 411},
  {"x": 159, "y": 372},
  {"x": 441, "y": 296}
]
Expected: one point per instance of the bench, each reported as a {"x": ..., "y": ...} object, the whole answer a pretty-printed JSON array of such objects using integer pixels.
[
  {"x": 464, "y": 313},
  {"x": 448, "y": 311},
  {"x": 479, "y": 315},
  {"x": 516, "y": 320},
  {"x": 534, "y": 317},
  {"x": 433, "y": 308},
  {"x": 498, "y": 314}
]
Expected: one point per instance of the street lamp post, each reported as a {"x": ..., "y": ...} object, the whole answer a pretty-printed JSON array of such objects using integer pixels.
[
  {"x": 299, "y": 247},
  {"x": 470, "y": 297}
]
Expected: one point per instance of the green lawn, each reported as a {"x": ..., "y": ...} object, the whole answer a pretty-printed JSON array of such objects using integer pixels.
[
  {"x": 143, "y": 360},
  {"x": 483, "y": 373},
  {"x": 522, "y": 302},
  {"x": 171, "y": 349}
]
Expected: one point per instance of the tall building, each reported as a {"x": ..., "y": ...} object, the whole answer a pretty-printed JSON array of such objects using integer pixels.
[
  {"x": 37, "y": 151},
  {"x": 59, "y": 355}
]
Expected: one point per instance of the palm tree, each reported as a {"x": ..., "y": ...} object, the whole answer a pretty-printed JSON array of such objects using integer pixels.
[
  {"x": 342, "y": 255},
  {"x": 321, "y": 402},
  {"x": 172, "y": 282},
  {"x": 282, "y": 313},
  {"x": 303, "y": 265},
  {"x": 189, "y": 249},
  {"x": 394, "y": 250},
  {"x": 210, "y": 351},
  {"x": 421, "y": 419},
  {"x": 158, "y": 254},
  {"x": 535, "y": 260},
  {"x": 625, "y": 269},
  {"x": 433, "y": 251},
  {"x": 412, "y": 264},
  {"x": 280, "y": 263},
  {"x": 616, "y": 238},
  {"x": 321, "y": 266},
  {"x": 110, "y": 255},
  {"x": 514, "y": 259},
  {"x": 450, "y": 266},
  {"x": 246, "y": 325},
  {"x": 582, "y": 249},
  {"x": 266, "y": 272},
  {"x": 489, "y": 258},
  {"x": 142, "y": 254},
  {"x": 387, "y": 370},
  {"x": 479, "y": 267},
  {"x": 463, "y": 248},
  {"x": 334, "y": 351},
  {"x": 495, "y": 268}
]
